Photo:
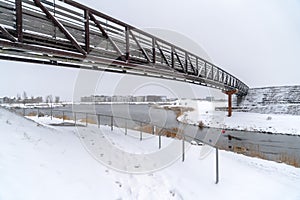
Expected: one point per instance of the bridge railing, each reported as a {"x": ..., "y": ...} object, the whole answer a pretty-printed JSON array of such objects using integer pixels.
[{"x": 70, "y": 34}]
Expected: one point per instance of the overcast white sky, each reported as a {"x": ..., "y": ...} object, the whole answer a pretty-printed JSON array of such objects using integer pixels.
[{"x": 256, "y": 40}]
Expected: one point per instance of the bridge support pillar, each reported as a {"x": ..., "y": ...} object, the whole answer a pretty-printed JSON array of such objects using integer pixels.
[{"x": 229, "y": 94}]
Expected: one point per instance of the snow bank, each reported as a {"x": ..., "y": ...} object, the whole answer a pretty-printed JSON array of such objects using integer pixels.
[
  {"x": 34, "y": 105},
  {"x": 276, "y": 100},
  {"x": 38, "y": 162},
  {"x": 204, "y": 111}
]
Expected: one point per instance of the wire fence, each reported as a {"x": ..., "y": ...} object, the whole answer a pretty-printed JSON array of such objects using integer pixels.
[
  {"x": 85, "y": 119},
  {"x": 78, "y": 118}
]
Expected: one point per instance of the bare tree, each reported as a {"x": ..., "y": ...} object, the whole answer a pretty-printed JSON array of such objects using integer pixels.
[
  {"x": 49, "y": 99},
  {"x": 24, "y": 97},
  {"x": 57, "y": 99}
]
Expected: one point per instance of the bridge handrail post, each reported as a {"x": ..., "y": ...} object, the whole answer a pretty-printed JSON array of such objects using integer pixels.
[
  {"x": 111, "y": 123},
  {"x": 125, "y": 126},
  {"x": 141, "y": 131},
  {"x": 86, "y": 119},
  {"x": 63, "y": 116},
  {"x": 217, "y": 165},
  {"x": 51, "y": 112},
  {"x": 98, "y": 120},
  {"x": 183, "y": 148}
]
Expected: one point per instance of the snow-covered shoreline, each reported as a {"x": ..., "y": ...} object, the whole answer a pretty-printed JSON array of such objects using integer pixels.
[
  {"x": 63, "y": 104},
  {"x": 204, "y": 111},
  {"x": 34, "y": 105}
]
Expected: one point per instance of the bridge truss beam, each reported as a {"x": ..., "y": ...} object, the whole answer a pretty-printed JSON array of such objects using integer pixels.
[{"x": 69, "y": 34}]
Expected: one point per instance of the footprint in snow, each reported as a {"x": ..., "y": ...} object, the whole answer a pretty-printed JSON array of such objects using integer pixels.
[
  {"x": 118, "y": 183},
  {"x": 137, "y": 166},
  {"x": 172, "y": 192}
]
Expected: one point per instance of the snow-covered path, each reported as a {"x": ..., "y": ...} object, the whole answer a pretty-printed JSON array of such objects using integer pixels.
[{"x": 43, "y": 162}]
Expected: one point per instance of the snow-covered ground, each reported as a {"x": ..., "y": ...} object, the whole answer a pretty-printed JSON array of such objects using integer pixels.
[
  {"x": 43, "y": 162},
  {"x": 205, "y": 111},
  {"x": 276, "y": 100},
  {"x": 34, "y": 105}
]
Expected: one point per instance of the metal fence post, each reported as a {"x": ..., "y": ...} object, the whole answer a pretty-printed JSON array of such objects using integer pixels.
[
  {"x": 24, "y": 112},
  {"x": 125, "y": 127},
  {"x": 38, "y": 112},
  {"x": 141, "y": 133},
  {"x": 63, "y": 117},
  {"x": 159, "y": 140},
  {"x": 86, "y": 119},
  {"x": 111, "y": 123},
  {"x": 98, "y": 119},
  {"x": 183, "y": 156},
  {"x": 217, "y": 165},
  {"x": 51, "y": 112},
  {"x": 75, "y": 118}
]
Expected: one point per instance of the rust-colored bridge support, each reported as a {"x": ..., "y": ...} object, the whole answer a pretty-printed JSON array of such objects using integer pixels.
[{"x": 230, "y": 93}]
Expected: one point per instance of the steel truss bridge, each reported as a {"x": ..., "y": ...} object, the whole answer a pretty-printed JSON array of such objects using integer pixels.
[{"x": 67, "y": 33}]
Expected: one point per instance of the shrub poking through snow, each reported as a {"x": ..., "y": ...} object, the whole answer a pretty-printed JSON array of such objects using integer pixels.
[
  {"x": 269, "y": 118},
  {"x": 201, "y": 125},
  {"x": 31, "y": 114}
]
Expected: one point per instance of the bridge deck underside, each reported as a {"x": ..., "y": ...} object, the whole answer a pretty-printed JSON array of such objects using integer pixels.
[{"x": 73, "y": 35}]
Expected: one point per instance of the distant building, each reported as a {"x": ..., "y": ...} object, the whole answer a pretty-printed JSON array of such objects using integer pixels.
[
  {"x": 8, "y": 100},
  {"x": 155, "y": 98},
  {"x": 119, "y": 99},
  {"x": 101, "y": 98},
  {"x": 116, "y": 98},
  {"x": 107, "y": 99},
  {"x": 209, "y": 98},
  {"x": 172, "y": 99},
  {"x": 34, "y": 100},
  {"x": 164, "y": 99},
  {"x": 87, "y": 99},
  {"x": 139, "y": 99}
]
